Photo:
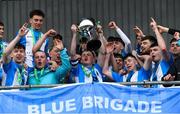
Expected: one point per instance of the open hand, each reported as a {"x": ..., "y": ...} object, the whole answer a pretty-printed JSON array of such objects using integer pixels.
[
  {"x": 109, "y": 48},
  {"x": 138, "y": 31}
]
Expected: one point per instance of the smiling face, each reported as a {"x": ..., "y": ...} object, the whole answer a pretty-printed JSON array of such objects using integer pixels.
[
  {"x": 18, "y": 55},
  {"x": 36, "y": 22},
  {"x": 40, "y": 59},
  {"x": 145, "y": 46}
]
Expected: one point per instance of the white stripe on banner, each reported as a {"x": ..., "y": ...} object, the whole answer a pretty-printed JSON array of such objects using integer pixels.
[{"x": 91, "y": 98}]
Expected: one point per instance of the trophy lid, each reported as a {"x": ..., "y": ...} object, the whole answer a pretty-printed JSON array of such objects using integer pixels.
[{"x": 85, "y": 22}]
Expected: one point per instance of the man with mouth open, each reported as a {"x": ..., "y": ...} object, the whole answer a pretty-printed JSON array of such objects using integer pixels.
[
  {"x": 50, "y": 72},
  {"x": 160, "y": 56},
  {"x": 87, "y": 70},
  {"x": 14, "y": 68}
]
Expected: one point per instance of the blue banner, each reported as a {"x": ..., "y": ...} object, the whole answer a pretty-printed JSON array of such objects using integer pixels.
[{"x": 91, "y": 98}]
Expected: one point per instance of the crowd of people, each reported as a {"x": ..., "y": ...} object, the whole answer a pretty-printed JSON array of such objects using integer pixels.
[{"x": 27, "y": 59}]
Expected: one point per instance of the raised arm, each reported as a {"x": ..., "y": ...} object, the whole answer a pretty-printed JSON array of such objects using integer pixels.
[
  {"x": 167, "y": 30},
  {"x": 138, "y": 31},
  {"x": 162, "y": 29},
  {"x": 172, "y": 31},
  {"x": 128, "y": 47},
  {"x": 114, "y": 63},
  {"x": 160, "y": 40},
  {"x": 39, "y": 43},
  {"x": 100, "y": 59},
  {"x": 139, "y": 36},
  {"x": 109, "y": 51},
  {"x": 135, "y": 54},
  {"x": 22, "y": 31},
  {"x": 147, "y": 61},
  {"x": 65, "y": 66},
  {"x": 73, "y": 41},
  {"x": 101, "y": 36}
]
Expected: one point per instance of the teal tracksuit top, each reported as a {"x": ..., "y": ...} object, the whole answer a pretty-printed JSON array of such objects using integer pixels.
[{"x": 46, "y": 76}]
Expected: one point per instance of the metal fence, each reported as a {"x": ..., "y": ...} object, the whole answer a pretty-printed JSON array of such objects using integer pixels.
[{"x": 122, "y": 83}]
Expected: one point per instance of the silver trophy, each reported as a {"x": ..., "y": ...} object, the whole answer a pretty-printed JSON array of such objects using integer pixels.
[{"x": 87, "y": 28}]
